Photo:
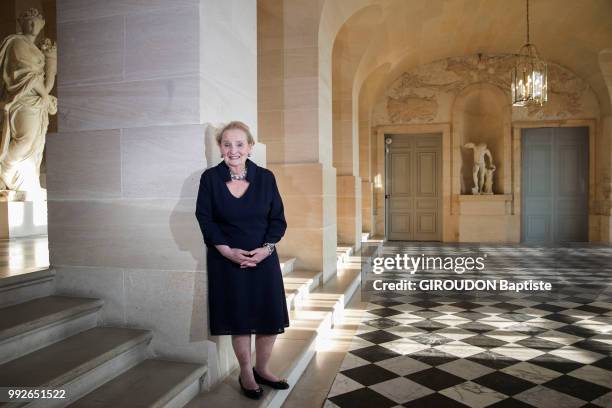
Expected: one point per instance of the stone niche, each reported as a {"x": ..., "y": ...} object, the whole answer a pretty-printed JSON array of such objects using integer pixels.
[{"x": 482, "y": 114}]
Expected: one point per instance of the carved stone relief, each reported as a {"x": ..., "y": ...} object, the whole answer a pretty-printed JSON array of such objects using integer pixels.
[{"x": 426, "y": 93}]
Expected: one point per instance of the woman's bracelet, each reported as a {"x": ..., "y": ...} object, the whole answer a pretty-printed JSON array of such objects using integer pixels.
[{"x": 270, "y": 247}]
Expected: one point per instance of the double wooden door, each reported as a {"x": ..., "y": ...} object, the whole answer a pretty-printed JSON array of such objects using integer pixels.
[
  {"x": 413, "y": 191},
  {"x": 554, "y": 184}
]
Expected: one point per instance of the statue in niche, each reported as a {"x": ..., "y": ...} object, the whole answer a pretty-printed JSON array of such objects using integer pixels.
[
  {"x": 27, "y": 76},
  {"x": 480, "y": 168},
  {"x": 488, "y": 184}
]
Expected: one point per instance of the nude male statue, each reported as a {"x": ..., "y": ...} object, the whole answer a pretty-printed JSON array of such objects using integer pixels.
[{"x": 480, "y": 168}]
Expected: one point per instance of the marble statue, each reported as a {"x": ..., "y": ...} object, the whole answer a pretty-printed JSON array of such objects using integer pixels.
[
  {"x": 488, "y": 184},
  {"x": 480, "y": 167},
  {"x": 27, "y": 76}
]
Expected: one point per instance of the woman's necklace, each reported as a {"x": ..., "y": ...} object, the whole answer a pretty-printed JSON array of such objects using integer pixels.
[{"x": 240, "y": 176}]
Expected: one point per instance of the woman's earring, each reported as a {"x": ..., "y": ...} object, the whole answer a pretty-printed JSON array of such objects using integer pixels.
[
  {"x": 249, "y": 154},
  {"x": 221, "y": 156}
]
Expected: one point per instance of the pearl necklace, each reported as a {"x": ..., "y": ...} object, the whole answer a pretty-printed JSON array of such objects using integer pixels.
[{"x": 241, "y": 176}]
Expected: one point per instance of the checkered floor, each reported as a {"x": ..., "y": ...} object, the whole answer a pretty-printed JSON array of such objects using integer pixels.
[{"x": 486, "y": 349}]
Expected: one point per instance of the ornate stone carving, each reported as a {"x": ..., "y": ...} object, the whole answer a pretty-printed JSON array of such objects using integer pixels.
[
  {"x": 27, "y": 76},
  {"x": 406, "y": 108},
  {"x": 426, "y": 93}
]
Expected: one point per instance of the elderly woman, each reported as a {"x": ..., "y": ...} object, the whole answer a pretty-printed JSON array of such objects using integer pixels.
[
  {"x": 241, "y": 216},
  {"x": 27, "y": 77}
]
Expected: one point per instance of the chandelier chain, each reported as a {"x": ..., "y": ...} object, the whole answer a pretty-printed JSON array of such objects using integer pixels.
[{"x": 527, "y": 4}]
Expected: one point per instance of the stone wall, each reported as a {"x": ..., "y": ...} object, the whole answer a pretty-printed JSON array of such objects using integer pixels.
[
  {"x": 470, "y": 91},
  {"x": 142, "y": 87}
]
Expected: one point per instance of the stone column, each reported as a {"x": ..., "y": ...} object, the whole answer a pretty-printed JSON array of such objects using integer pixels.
[
  {"x": 366, "y": 174},
  {"x": 141, "y": 84},
  {"x": 348, "y": 48},
  {"x": 346, "y": 161},
  {"x": 294, "y": 100}
]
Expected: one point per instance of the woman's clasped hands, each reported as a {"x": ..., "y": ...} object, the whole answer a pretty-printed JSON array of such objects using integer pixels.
[{"x": 245, "y": 258}]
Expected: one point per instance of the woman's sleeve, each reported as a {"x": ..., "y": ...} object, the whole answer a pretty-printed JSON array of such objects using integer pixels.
[
  {"x": 276, "y": 216},
  {"x": 210, "y": 230}
]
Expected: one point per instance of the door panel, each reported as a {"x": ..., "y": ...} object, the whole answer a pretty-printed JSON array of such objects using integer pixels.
[
  {"x": 414, "y": 187},
  {"x": 426, "y": 174},
  {"x": 426, "y": 223},
  {"x": 555, "y": 185}
]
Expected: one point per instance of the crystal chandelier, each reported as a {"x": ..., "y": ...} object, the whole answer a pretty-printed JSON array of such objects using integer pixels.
[{"x": 529, "y": 78}]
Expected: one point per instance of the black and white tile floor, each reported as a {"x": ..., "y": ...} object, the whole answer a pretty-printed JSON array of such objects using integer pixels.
[{"x": 487, "y": 349}]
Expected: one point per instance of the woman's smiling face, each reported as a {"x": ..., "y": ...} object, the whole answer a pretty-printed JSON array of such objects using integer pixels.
[{"x": 235, "y": 148}]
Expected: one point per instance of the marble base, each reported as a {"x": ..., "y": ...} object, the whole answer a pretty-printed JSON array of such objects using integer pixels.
[
  {"x": 22, "y": 218},
  {"x": 12, "y": 195},
  {"x": 487, "y": 218}
]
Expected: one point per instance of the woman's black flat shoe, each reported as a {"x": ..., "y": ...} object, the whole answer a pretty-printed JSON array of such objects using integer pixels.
[
  {"x": 253, "y": 394},
  {"x": 279, "y": 385}
]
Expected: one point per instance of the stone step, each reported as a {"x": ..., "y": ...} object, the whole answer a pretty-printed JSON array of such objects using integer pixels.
[
  {"x": 342, "y": 252},
  {"x": 293, "y": 350},
  {"x": 324, "y": 302},
  {"x": 31, "y": 325},
  {"x": 287, "y": 265},
  {"x": 77, "y": 364},
  {"x": 334, "y": 295},
  {"x": 361, "y": 258},
  {"x": 370, "y": 249},
  {"x": 320, "y": 321},
  {"x": 343, "y": 284},
  {"x": 152, "y": 383},
  {"x": 26, "y": 286},
  {"x": 298, "y": 284}
]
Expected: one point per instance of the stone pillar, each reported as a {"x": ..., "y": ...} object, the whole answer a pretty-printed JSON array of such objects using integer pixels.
[
  {"x": 140, "y": 86},
  {"x": 349, "y": 210},
  {"x": 294, "y": 107},
  {"x": 366, "y": 174},
  {"x": 346, "y": 161},
  {"x": 346, "y": 53}
]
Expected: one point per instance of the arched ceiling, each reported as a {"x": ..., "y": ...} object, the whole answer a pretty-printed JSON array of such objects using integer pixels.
[{"x": 402, "y": 34}]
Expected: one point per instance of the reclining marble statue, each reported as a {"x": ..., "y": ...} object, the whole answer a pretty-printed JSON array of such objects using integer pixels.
[
  {"x": 27, "y": 76},
  {"x": 481, "y": 173}
]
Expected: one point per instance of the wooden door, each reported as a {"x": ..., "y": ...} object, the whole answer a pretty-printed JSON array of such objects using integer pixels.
[
  {"x": 555, "y": 179},
  {"x": 413, "y": 193}
]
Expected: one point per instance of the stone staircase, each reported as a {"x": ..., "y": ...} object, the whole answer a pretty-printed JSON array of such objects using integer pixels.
[
  {"x": 50, "y": 341},
  {"x": 55, "y": 341},
  {"x": 314, "y": 308}
]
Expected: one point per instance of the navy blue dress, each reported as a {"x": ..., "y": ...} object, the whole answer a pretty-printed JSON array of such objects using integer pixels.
[{"x": 242, "y": 300}]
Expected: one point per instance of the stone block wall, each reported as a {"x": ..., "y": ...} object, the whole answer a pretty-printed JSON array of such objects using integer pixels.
[{"x": 142, "y": 86}]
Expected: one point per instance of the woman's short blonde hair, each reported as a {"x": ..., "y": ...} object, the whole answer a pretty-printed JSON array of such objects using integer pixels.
[{"x": 236, "y": 124}]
